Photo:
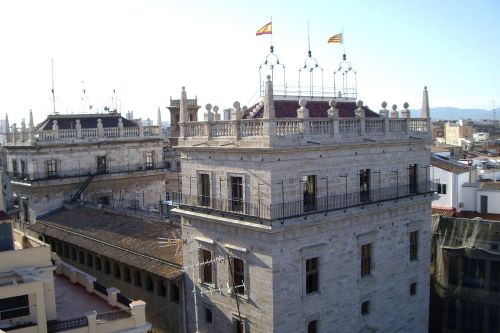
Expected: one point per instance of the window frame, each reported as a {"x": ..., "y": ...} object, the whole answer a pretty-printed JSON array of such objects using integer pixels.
[
  {"x": 365, "y": 308},
  {"x": 366, "y": 255},
  {"x": 413, "y": 245},
  {"x": 101, "y": 164},
  {"x": 149, "y": 160},
  {"x": 309, "y": 192},
  {"x": 312, "y": 273},
  {"x": 51, "y": 168}
]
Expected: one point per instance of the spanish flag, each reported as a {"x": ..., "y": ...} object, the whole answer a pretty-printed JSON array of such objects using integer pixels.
[
  {"x": 266, "y": 29},
  {"x": 336, "y": 39}
]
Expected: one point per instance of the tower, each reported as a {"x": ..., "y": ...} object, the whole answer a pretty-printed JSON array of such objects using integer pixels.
[
  {"x": 190, "y": 112},
  {"x": 317, "y": 230}
]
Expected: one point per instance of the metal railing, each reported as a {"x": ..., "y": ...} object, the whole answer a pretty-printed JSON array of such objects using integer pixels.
[
  {"x": 100, "y": 288},
  {"x": 113, "y": 315},
  {"x": 123, "y": 300},
  {"x": 298, "y": 208},
  {"x": 64, "y": 325}
]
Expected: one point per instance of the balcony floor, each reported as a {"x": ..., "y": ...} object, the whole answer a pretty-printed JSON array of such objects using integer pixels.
[{"x": 73, "y": 300}]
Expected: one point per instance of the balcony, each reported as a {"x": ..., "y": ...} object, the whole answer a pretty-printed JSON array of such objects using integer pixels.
[{"x": 267, "y": 213}]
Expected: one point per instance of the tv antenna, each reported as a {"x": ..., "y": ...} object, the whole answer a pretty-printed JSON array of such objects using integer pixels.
[{"x": 53, "y": 92}]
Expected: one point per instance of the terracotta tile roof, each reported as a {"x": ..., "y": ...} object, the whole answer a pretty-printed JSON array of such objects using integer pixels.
[
  {"x": 123, "y": 238},
  {"x": 317, "y": 109},
  {"x": 68, "y": 121},
  {"x": 449, "y": 165},
  {"x": 444, "y": 211},
  {"x": 490, "y": 186}
]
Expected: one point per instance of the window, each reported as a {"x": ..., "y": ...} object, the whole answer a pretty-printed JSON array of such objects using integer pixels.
[
  {"x": 309, "y": 197},
  {"x": 73, "y": 254},
  {"x": 453, "y": 270},
  {"x": 66, "y": 250},
  {"x": 238, "y": 326},
  {"x": 366, "y": 259},
  {"x": 103, "y": 200},
  {"x": 24, "y": 169},
  {"x": 174, "y": 293},
  {"x": 365, "y": 308},
  {"x": 98, "y": 266},
  {"x": 126, "y": 274},
  {"x": 148, "y": 158},
  {"x": 473, "y": 273},
  {"x": 441, "y": 189},
  {"x": 413, "y": 289},
  {"x": 81, "y": 257},
  {"x": 162, "y": 288},
  {"x": 413, "y": 245},
  {"x": 52, "y": 245},
  {"x": 364, "y": 185},
  {"x": 51, "y": 168},
  {"x": 117, "y": 271},
  {"x": 412, "y": 178},
  {"x": 138, "y": 281},
  {"x": 209, "y": 318},
  {"x": 312, "y": 275},
  {"x": 312, "y": 326},
  {"x": 59, "y": 248},
  {"x": 495, "y": 276},
  {"x": 12, "y": 307},
  {"x": 237, "y": 194},
  {"x": 149, "y": 283},
  {"x": 107, "y": 267},
  {"x": 206, "y": 270},
  {"x": 205, "y": 190},
  {"x": 238, "y": 276},
  {"x": 101, "y": 164},
  {"x": 14, "y": 167},
  {"x": 89, "y": 260}
]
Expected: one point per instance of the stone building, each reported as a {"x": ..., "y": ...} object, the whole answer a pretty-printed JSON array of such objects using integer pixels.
[
  {"x": 40, "y": 294},
  {"x": 465, "y": 294},
  {"x": 122, "y": 251},
  {"x": 96, "y": 158},
  {"x": 306, "y": 216}
]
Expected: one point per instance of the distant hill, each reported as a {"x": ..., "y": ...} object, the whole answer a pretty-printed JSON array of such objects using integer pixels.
[{"x": 449, "y": 113}]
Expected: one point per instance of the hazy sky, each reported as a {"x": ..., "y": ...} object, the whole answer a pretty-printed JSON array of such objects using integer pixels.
[{"x": 147, "y": 50}]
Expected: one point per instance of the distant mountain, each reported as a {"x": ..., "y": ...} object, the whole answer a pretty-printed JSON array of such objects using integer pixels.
[{"x": 449, "y": 113}]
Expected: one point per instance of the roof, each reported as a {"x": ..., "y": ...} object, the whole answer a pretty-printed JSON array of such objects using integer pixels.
[
  {"x": 119, "y": 237},
  {"x": 68, "y": 121},
  {"x": 317, "y": 109},
  {"x": 490, "y": 186},
  {"x": 449, "y": 165}
]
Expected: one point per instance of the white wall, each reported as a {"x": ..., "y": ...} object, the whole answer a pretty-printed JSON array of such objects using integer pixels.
[
  {"x": 469, "y": 194},
  {"x": 443, "y": 177},
  {"x": 493, "y": 201}
]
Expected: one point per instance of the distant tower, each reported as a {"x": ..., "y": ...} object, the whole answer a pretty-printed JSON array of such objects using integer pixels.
[{"x": 191, "y": 114}]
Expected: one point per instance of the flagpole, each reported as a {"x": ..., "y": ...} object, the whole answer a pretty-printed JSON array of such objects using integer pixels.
[
  {"x": 271, "y": 35},
  {"x": 343, "y": 44}
]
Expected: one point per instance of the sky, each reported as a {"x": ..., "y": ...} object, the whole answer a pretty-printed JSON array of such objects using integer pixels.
[{"x": 147, "y": 50}]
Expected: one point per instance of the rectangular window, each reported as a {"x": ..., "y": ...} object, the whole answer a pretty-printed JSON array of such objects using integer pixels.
[
  {"x": 149, "y": 160},
  {"x": 206, "y": 269},
  {"x": 312, "y": 326},
  {"x": 365, "y": 308},
  {"x": 51, "y": 168},
  {"x": 73, "y": 254},
  {"x": 312, "y": 275},
  {"x": 66, "y": 251},
  {"x": 366, "y": 259},
  {"x": 149, "y": 283},
  {"x": 413, "y": 245},
  {"x": 495, "y": 276},
  {"x": 453, "y": 270},
  {"x": 209, "y": 318},
  {"x": 412, "y": 178},
  {"x": 101, "y": 164},
  {"x": 14, "y": 168},
  {"x": 473, "y": 273},
  {"x": 364, "y": 185},
  {"x": 205, "y": 190},
  {"x": 81, "y": 257},
  {"x": 24, "y": 169},
  {"x": 237, "y": 194},
  {"x": 12, "y": 307},
  {"x": 162, "y": 288},
  {"x": 117, "y": 271},
  {"x": 441, "y": 189},
  {"x": 138, "y": 281},
  {"x": 126, "y": 274},
  {"x": 89, "y": 260},
  {"x": 107, "y": 267},
  {"x": 174, "y": 293},
  {"x": 413, "y": 289},
  {"x": 238, "y": 276},
  {"x": 98, "y": 266},
  {"x": 309, "y": 198}
]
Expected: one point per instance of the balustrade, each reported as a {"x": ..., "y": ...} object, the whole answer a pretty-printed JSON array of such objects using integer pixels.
[{"x": 288, "y": 127}]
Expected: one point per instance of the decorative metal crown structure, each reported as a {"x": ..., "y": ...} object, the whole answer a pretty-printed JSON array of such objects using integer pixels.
[
  {"x": 272, "y": 60},
  {"x": 348, "y": 85}
]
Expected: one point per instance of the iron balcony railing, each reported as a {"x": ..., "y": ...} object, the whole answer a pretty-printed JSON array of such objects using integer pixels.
[
  {"x": 300, "y": 207},
  {"x": 54, "y": 326}
]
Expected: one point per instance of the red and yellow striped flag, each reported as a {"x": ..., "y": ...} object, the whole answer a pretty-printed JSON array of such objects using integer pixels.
[
  {"x": 335, "y": 39},
  {"x": 266, "y": 29}
]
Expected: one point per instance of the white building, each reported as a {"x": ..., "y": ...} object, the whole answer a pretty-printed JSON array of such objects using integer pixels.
[{"x": 317, "y": 213}]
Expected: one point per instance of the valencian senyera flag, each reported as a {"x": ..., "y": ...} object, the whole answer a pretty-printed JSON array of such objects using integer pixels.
[
  {"x": 335, "y": 39},
  {"x": 266, "y": 29}
]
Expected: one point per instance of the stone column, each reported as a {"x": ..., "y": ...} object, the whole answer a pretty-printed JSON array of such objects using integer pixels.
[
  {"x": 23, "y": 130},
  {"x": 55, "y": 129},
  {"x": 112, "y": 295},
  {"x": 303, "y": 113},
  {"x": 360, "y": 114},
  {"x": 269, "y": 116},
  {"x": 14, "y": 132},
  {"x": 235, "y": 119},
  {"x": 385, "y": 113},
  {"x": 120, "y": 127},
  {"x": 92, "y": 319},
  {"x": 31, "y": 128},
  {"x": 426, "y": 111},
  {"x": 394, "y": 112},
  {"x": 209, "y": 118},
  {"x": 183, "y": 113},
  {"x": 406, "y": 115},
  {"x": 216, "y": 113},
  {"x": 139, "y": 311},
  {"x": 78, "y": 127},
  {"x": 333, "y": 116},
  {"x": 100, "y": 128},
  {"x": 141, "y": 128},
  {"x": 7, "y": 129}
]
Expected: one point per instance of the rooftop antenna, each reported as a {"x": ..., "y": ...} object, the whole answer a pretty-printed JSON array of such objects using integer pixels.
[{"x": 53, "y": 93}]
